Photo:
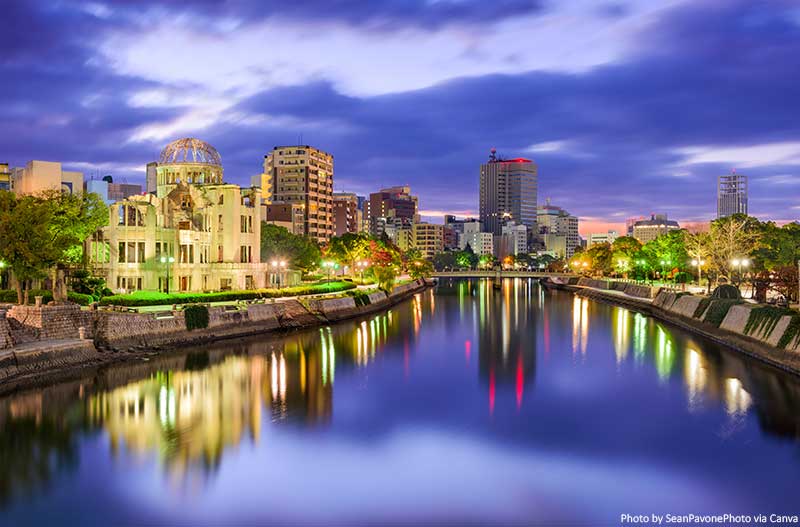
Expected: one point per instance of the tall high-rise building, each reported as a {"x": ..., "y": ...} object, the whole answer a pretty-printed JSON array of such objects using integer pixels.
[
  {"x": 558, "y": 230},
  {"x": 508, "y": 189},
  {"x": 392, "y": 206},
  {"x": 346, "y": 214},
  {"x": 731, "y": 195},
  {"x": 302, "y": 174}
]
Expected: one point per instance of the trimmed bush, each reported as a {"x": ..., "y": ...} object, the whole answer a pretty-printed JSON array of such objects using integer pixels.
[
  {"x": 79, "y": 298},
  {"x": 727, "y": 291},
  {"x": 151, "y": 298},
  {"x": 10, "y": 295},
  {"x": 196, "y": 316},
  {"x": 718, "y": 309}
]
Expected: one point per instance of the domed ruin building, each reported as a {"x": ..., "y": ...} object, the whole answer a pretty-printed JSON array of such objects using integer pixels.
[{"x": 203, "y": 233}]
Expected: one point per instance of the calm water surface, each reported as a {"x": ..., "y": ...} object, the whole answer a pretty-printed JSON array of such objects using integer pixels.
[{"x": 464, "y": 404}]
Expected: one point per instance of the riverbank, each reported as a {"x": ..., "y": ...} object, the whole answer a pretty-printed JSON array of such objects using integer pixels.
[
  {"x": 43, "y": 341},
  {"x": 735, "y": 326}
]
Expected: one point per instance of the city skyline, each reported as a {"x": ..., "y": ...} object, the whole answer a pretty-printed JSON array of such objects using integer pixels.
[{"x": 631, "y": 142}]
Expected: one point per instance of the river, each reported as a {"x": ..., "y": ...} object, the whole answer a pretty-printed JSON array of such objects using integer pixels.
[{"x": 465, "y": 404}]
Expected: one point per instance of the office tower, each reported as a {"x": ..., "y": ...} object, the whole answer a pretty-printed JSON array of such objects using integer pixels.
[
  {"x": 428, "y": 238},
  {"x": 346, "y": 215},
  {"x": 394, "y": 206},
  {"x": 39, "y": 176},
  {"x": 558, "y": 230},
  {"x": 5, "y": 177},
  {"x": 303, "y": 175},
  {"x": 602, "y": 237},
  {"x": 657, "y": 225},
  {"x": 731, "y": 195},
  {"x": 508, "y": 190}
]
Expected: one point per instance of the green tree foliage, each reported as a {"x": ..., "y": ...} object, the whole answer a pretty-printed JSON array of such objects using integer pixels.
[
  {"x": 600, "y": 258},
  {"x": 445, "y": 260},
  {"x": 278, "y": 243},
  {"x": 348, "y": 249},
  {"x": 384, "y": 264},
  {"x": 25, "y": 240},
  {"x": 670, "y": 249}
]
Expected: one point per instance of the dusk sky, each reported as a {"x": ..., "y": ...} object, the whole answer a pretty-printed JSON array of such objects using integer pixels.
[{"x": 628, "y": 107}]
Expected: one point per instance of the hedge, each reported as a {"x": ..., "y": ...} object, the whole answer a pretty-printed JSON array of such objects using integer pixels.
[
  {"x": 149, "y": 298},
  {"x": 196, "y": 316},
  {"x": 10, "y": 296}
]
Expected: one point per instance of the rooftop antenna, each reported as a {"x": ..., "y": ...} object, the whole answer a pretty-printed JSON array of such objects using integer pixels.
[{"x": 493, "y": 155}]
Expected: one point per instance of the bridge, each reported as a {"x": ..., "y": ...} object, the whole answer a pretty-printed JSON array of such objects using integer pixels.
[{"x": 491, "y": 273}]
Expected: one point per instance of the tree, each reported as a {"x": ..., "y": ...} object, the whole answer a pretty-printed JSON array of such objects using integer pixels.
[
  {"x": 445, "y": 260},
  {"x": 600, "y": 258},
  {"x": 732, "y": 237},
  {"x": 420, "y": 269},
  {"x": 73, "y": 218},
  {"x": 626, "y": 245},
  {"x": 385, "y": 264},
  {"x": 278, "y": 242},
  {"x": 25, "y": 240},
  {"x": 667, "y": 253},
  {"x": 348, "y": 249}
]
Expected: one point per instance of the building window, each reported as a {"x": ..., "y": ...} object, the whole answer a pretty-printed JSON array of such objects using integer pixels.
[
  {"x": 219, "y": 253},
  {"x": 248, "y": 282},
  {"x": 186, "y": 253},
  {"x": 224, "y": 284},
  {"x": 219, "y": 223},
  {"x": 245, "y": 255}
]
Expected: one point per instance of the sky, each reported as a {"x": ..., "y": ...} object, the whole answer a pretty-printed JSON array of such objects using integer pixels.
[{"x": 628, "y": 107}]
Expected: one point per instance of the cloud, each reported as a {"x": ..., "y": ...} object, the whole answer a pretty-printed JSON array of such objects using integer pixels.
[{"x": 623, "y": 108}]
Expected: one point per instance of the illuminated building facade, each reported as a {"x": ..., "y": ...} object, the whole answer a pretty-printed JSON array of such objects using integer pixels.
[
  {"x": 207, "y": 232},
  {"x": 346, "y": 213},
  {"x": 302, "y": 175},
  {"x": 558, "y": 230},
  {"x": 393, "y": 206},
  {"x": 508, "y": 192},
  {"x": 39, "y": 176},
  {"x": 658, "y": 225},
  {"x": 731, "y": 195}
]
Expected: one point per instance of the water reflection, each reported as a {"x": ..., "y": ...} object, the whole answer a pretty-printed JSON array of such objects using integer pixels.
[{"x": 512, "y": 347}]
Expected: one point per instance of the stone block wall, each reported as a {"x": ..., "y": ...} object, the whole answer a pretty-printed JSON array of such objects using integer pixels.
[
  {"x": 29, "y": 323},
  {"x": 5, "y": 331}
]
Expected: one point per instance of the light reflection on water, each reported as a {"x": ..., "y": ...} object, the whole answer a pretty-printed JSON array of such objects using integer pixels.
[{"x": 518, "y": 371}]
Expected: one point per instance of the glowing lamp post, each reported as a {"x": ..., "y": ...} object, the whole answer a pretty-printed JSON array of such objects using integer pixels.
[
  {"x": 278, "y": 268},
  {"x": 699, "y": 263},
  {"x": 330, "y": 266},
  {"x": 361, "y": 265},
  {"x": 738, "y": 264},
  {"x": 169, "y": 260}
]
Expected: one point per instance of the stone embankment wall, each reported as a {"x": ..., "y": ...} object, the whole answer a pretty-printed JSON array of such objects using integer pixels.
[
  {"x": 737, "y": 319},
  {"x": 763, "y": 332},
  {"x": 636, "y": 290},
  {"x": 125, "y": 331},
  {"x": 46, "y": 338}
]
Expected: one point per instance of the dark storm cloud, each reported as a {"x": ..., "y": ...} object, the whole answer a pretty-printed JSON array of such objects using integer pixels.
[
  {"x": 719, "y": 74},
  {"x": 382, "y": 14},
  {"x": 621, "y": 122}
]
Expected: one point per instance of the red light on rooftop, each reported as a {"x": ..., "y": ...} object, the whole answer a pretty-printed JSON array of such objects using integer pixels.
[{"x": 517, "y": 160}]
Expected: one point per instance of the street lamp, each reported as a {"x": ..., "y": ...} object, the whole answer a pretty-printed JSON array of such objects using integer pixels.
[
  {"x": 699, "y": 263},
  {"x": 278, "y": 265},
  {"x": 739, "y": 263},
  {"x": 664, "y": 263},
  {"x": 167, "y": 260},
  {"x": 361, "y": 265},
  {"x": 330, "y": 265},
  {"x": 2, "y": 274}
]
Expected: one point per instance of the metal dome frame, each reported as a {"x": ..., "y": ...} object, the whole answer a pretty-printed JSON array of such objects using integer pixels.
[{"x": 190, "y": 150}]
